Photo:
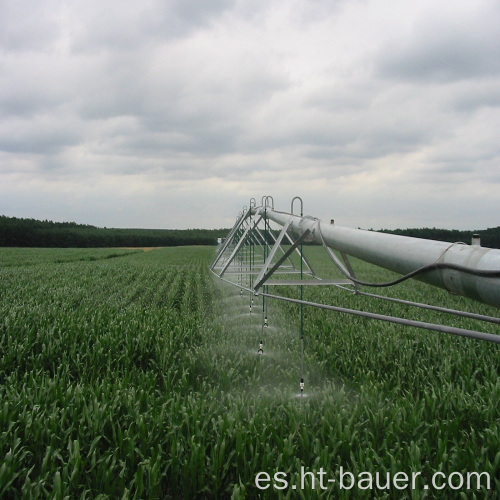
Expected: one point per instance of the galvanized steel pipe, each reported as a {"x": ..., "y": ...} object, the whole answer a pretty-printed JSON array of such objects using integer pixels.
[{"x": 403, "y": 254}]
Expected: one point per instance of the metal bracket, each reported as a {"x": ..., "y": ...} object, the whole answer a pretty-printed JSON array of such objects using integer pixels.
[
  {"x": 238, "y": 246},
  {"x": 297, "y": 242}
]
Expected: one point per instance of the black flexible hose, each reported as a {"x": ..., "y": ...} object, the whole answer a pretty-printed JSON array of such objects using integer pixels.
[
  {"x": 421, "y": 270},
  {"x": 430, "y": 267}
]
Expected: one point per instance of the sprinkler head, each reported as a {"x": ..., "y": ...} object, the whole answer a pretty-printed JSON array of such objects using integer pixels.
[
  {"x": 301, "y": 386},
  {"x": 261, "y": 348},
  {"x": 265, "y": 322}
]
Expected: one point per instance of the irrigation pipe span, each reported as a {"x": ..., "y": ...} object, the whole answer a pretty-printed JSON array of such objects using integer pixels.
[
  {"x": 471, "y": 271},
  {"x": 468, "y": 270}
]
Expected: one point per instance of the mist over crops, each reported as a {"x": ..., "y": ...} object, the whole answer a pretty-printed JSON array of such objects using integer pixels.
[{"x": 131, "y": 374}]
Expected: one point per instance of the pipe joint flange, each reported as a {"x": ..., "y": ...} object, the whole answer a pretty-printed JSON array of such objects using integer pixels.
[{"x": 446, "y": 276}]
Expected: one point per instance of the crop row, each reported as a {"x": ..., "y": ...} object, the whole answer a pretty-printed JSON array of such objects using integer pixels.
[{"x": 137, "y": 377}]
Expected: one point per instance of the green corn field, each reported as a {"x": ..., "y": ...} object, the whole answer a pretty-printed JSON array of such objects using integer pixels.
[{"x": 131, "y": 374}]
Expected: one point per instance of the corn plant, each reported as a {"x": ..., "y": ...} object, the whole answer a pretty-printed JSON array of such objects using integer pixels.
[{"x": 136, "y": 375}]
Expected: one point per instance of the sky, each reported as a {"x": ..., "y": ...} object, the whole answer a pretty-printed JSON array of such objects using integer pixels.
[{"x": 175, "y": 113}]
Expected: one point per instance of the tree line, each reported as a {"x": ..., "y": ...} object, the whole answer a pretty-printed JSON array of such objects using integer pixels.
[
  {"x": 17, "y": 232},
  {"x": 35, "y": 233}
]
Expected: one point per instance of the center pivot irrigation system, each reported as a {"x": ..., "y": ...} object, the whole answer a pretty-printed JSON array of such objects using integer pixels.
[{"x": 257, "y": 256}]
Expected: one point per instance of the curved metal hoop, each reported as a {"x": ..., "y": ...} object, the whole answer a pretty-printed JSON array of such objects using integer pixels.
[
  {"x": 265, "y": 201},
  {"x": 301, "y": 205}
]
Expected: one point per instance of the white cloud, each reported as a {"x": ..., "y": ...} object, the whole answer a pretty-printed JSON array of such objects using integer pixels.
[
  {"x": 449, "y": 42},
  {"x": 124, "y": 114}
]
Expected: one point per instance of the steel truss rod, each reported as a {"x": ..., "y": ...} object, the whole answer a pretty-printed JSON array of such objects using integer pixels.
[
  {"x": 489, "y": 337},
  {"x": 249, "y": 236},
  {"x": 262, "y": 279},
  {"x": 271, "y": 255},
  {"x": 455, "y": 312},
  {"x": 230, "y": 236},
  {"x": 296, "y": 249},
  {"x": 238, "y": 246},
  {"x": 315, "y": 282}
]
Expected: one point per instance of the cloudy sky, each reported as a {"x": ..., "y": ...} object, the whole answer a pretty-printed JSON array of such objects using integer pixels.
[{"x": 174, "y": 113}]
